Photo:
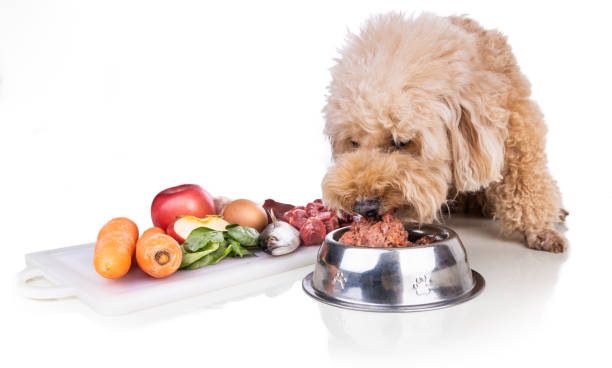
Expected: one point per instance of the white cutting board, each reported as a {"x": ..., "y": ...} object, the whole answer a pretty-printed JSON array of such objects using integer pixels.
[{"x": 70, "y": 271}]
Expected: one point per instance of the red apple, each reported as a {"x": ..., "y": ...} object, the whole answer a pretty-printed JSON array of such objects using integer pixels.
[
  {"x": 170, "y": 231},
  {"x": 182, "y": 200}
]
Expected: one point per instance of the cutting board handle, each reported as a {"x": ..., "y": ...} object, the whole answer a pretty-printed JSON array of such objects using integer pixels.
[{"x": 32, "y": 291}]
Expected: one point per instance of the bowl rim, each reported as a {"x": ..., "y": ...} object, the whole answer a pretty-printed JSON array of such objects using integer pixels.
[{"x": 329, "y": 238}]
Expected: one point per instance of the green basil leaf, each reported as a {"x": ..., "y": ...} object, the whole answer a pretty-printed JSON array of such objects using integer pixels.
[
  {"x": 246, "y": 236},
  {"x": 190, "y": 258},
  {"x": 204, "y": 261},
  {"x": 211, "y": 258},
  {"x": 218, "y": 256},
  {"x": 200, "y": 237},
  {"x": 239, "y": 251}
]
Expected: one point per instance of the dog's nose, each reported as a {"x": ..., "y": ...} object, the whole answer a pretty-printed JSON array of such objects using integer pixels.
[{"x": 367, "y": 207}]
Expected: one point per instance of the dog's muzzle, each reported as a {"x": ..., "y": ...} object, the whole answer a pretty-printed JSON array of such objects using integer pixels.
[{"x": 367, "y": 207}]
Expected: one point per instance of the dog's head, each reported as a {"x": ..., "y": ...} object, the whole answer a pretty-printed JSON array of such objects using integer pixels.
[{"x": 410, "y": 115}]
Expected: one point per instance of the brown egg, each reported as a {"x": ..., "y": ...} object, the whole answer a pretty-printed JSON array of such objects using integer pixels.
[{"x": 245, "y": 213}]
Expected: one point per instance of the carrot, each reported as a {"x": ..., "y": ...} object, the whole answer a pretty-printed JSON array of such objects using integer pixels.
[
  {"x": 150, "y": 231},
  {"x": 115, "y": 247},
  {"x": 158, "y": 255}
]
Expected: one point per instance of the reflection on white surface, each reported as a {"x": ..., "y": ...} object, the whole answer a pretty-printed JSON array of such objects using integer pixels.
[{"x": 519, "y": 282}]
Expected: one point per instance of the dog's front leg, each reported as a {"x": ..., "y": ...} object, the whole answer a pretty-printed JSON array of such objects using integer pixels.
[{"x": 527, "y": 198}]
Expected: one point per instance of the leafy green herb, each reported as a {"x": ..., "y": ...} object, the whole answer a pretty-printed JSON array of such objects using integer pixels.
[
  {"x": 190, "y": 258},
  {"x": 239, "y": 251},
  {"x": 201, "y": 237},
  {"x": 211, "y": 258},
  {"x": 246, "y": 236},
  {"x": 204, "y": 261},
  {"x": 205, "y": 246}
]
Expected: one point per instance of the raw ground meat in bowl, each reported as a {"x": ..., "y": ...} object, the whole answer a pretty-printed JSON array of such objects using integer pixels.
[{"x": 387, "y": 232}]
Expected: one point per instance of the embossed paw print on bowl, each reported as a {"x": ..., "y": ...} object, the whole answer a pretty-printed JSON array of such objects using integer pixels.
[
  {"x": 387, "y": 279},
  {"x": 421, "y": 285}
]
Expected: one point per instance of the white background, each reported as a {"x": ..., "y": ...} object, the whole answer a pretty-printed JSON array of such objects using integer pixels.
[{"x": 103, "y": 104}]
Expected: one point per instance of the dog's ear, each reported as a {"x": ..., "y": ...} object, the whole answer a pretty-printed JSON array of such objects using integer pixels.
[
  {"x": 335, "y": 144},
  {"x": 477, "y": 132},
  {"x": 336, "y": 137}
]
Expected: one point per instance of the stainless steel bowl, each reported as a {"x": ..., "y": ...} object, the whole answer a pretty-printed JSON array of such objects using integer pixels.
[{"x": 406, "y": 279}]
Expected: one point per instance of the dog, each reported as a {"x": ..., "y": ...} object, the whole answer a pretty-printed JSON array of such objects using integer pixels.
[{"x": 429, "y": 113}]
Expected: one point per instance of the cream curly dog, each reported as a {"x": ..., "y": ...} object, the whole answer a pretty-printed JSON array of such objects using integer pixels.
[{"x": 431, "y": 112}]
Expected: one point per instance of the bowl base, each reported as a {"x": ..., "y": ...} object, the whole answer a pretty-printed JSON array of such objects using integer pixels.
[{"x": 479, "y": 284}]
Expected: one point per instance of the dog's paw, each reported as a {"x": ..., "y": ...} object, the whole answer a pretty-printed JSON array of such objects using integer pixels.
[{"x": 549, "y": 240}]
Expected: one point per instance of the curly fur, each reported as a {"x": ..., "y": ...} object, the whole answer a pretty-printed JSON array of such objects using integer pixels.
[{"x": 425, "y": 109}]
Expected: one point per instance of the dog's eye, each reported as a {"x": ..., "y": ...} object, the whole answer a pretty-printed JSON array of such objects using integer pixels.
[
  {"x": 400, "y": 144},
  {"x": 355, "y": 144}
]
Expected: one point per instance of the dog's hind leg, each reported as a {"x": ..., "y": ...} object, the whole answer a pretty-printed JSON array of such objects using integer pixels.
[{"x": 527, "y": 199}]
